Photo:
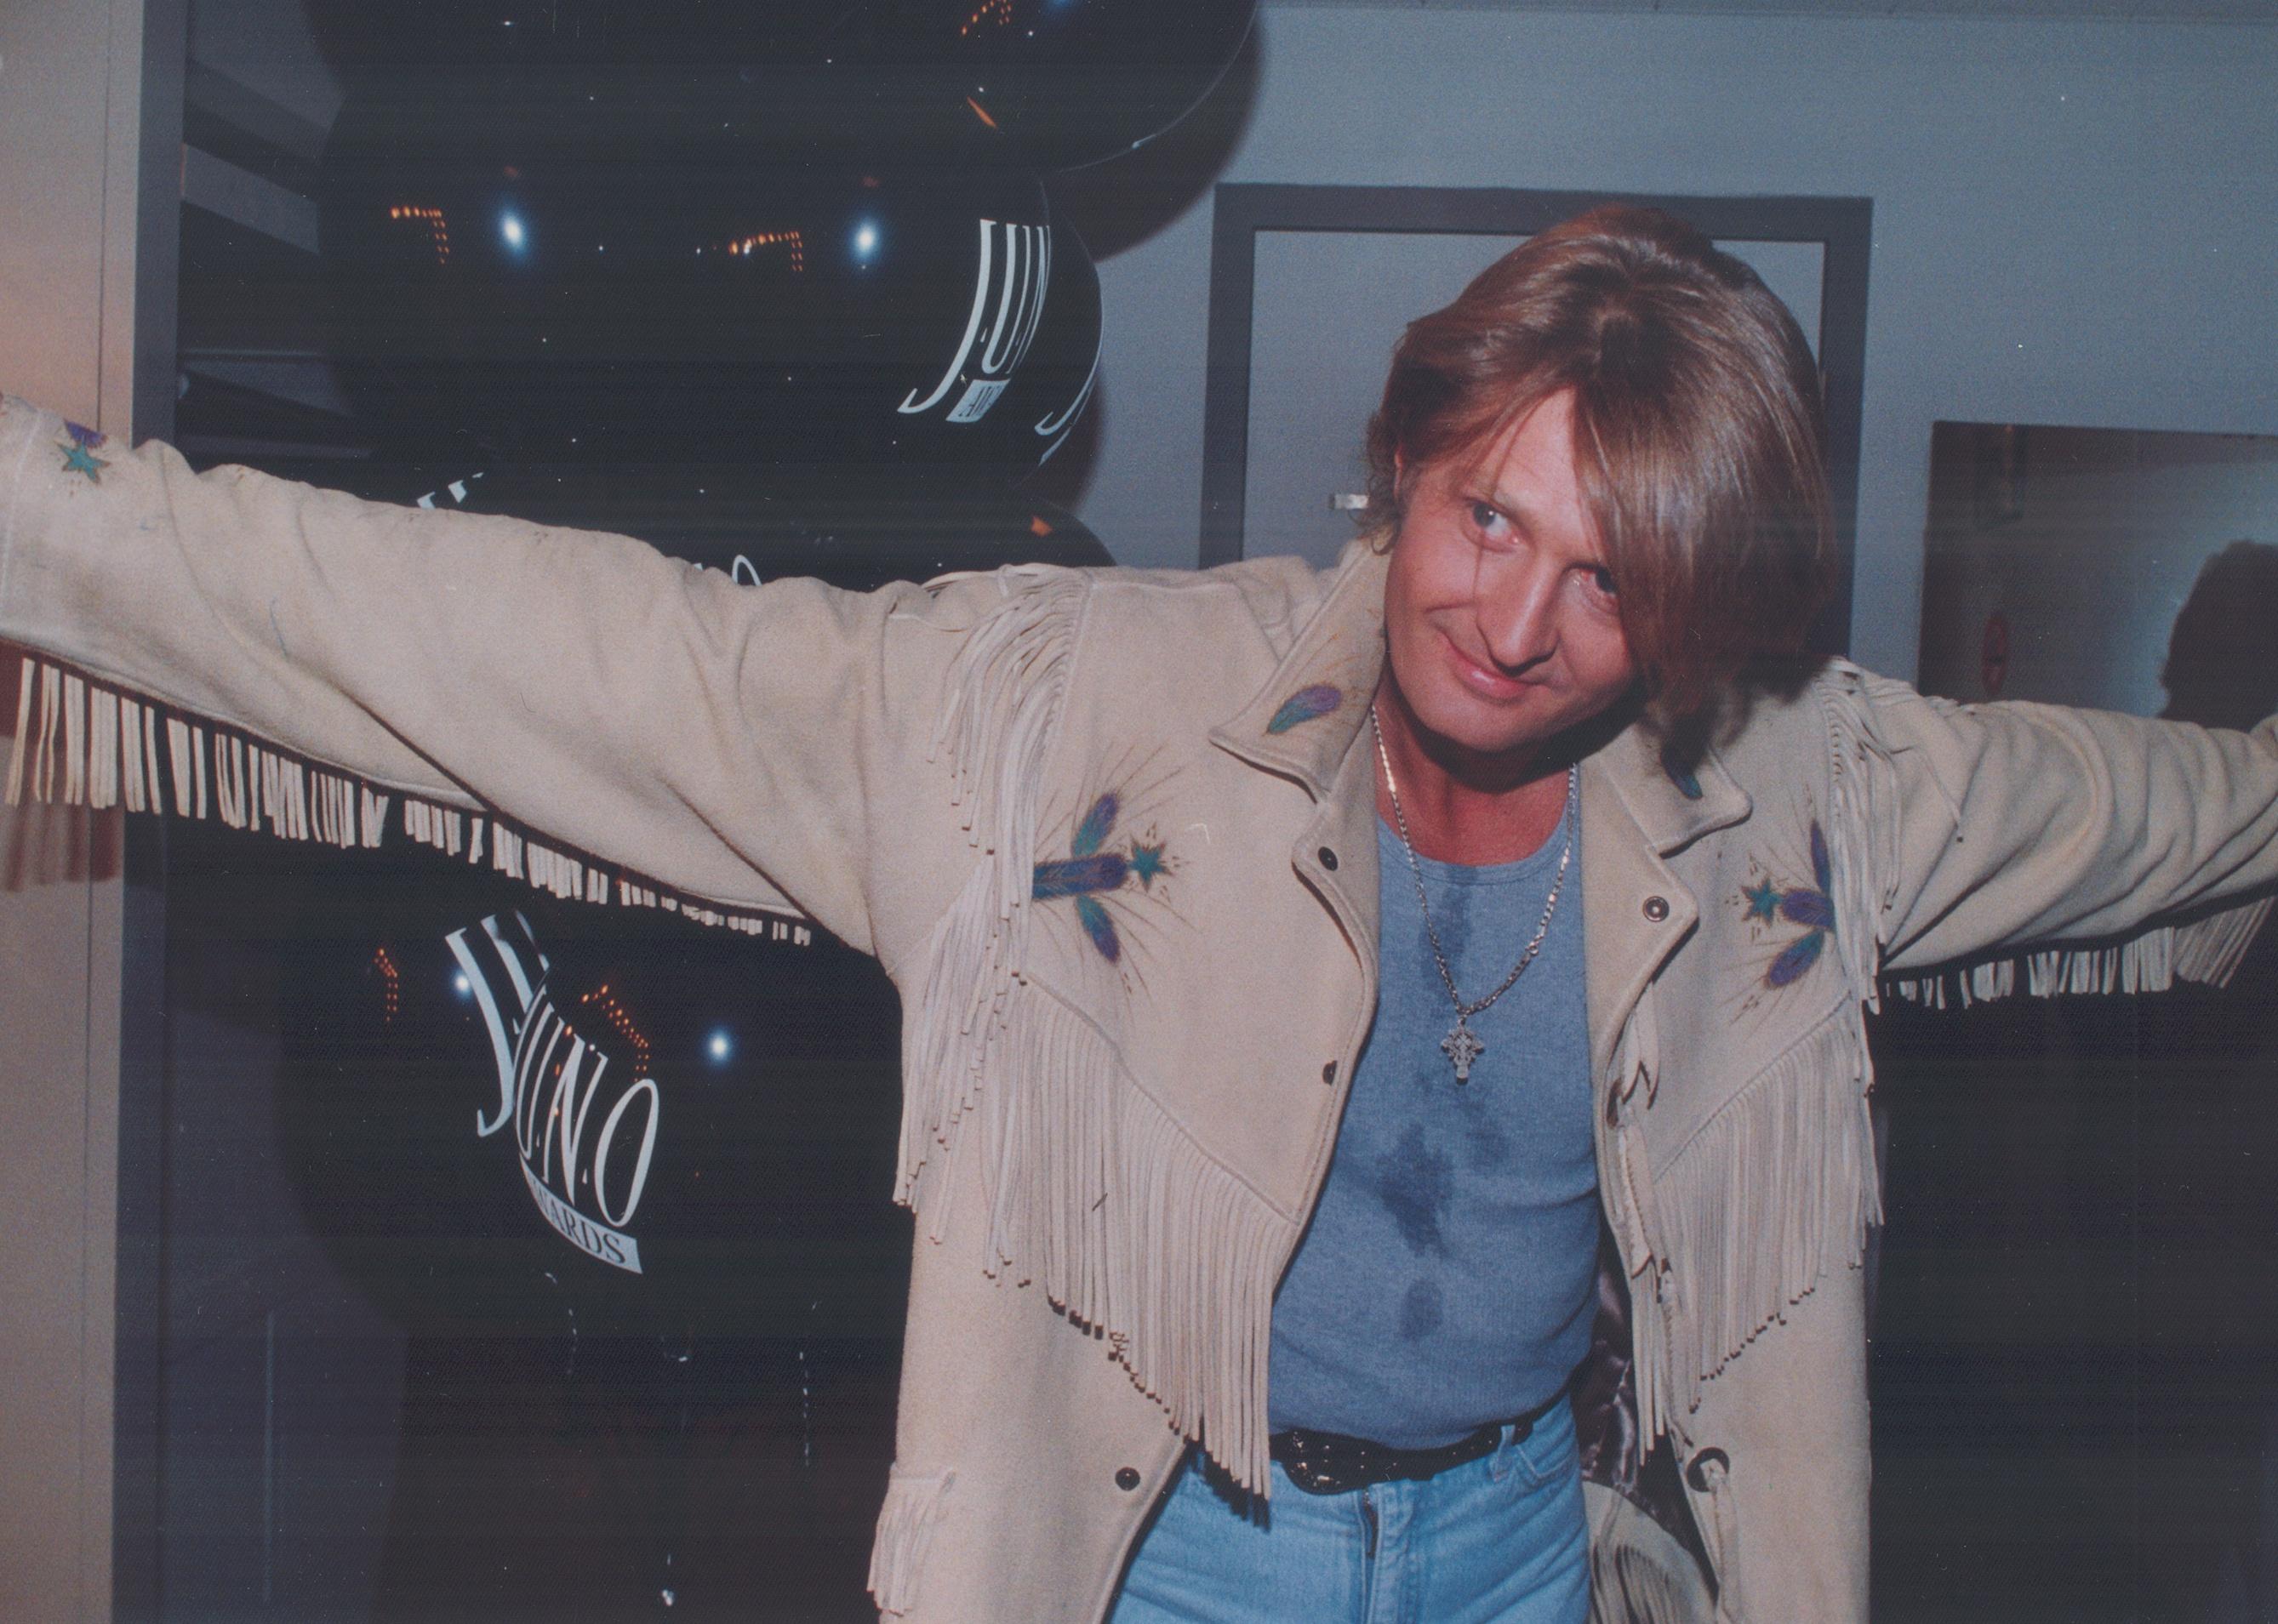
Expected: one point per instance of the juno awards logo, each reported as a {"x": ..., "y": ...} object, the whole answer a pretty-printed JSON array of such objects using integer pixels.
[
  {"x": 585, "y": 1122},
  {"x": 1008, "y": 303}
]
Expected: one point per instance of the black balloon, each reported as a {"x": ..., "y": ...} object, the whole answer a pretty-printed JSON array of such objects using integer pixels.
[
  {"x": 1049, "y": 394},
  {"x": 1078, "y": 81},
  {"x": 382, "y": 36},
  {"x": 387, "y": 1066},
  {"x": 514, "y": 1115},
  {"x": 802, "y": 267}
]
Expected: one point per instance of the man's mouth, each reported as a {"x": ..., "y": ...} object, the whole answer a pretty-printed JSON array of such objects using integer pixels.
[{"x": 1484, "y": 680}]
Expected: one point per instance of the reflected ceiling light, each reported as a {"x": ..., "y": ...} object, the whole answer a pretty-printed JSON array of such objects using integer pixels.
[
  {"x": 793, "y": 244},
  {"x": 439, "y": 230}
]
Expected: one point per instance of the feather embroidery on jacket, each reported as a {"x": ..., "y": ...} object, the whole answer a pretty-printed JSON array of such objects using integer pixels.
[
  {"x": 1305, "y": 705},
  {"x": 1089, "y": 872},
  {"x": 1769, "y": 902}
]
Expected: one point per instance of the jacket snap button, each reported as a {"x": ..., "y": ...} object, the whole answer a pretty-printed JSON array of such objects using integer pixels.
[
  {"x": 1656, "y": 908},
  {"x": 1127, "y": 1478},
  {"x": 1329, "y": 1072},
  {"x": 1696, "y": 1472},
  {"x": 1328, "y": 859}
]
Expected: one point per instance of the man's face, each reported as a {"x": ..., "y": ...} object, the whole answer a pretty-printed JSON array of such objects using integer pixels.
[{"x": 1503, "y": 627}]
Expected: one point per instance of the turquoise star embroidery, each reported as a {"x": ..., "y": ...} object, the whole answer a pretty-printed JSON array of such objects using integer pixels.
[
  {"x": 79, "y": 460},
  {"x": 1811, "y": 906},
  {"x": 1091, "y": 871}
]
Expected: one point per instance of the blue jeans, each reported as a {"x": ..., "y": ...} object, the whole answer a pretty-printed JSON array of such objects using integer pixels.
[{"x": 1501, "y": 1538}]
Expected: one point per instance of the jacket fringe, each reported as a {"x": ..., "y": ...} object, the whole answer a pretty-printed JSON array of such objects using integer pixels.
[
  {"x": 2207, "y": 949},
  {"x": 1004, "y": 694},
  {"x": 913, "y": 1509},
  {"x": 1862, "y": 817},
  {"x": 1094, "y": 1191},
  {"x": 1776, "y": 1191},
  {"x": 1779, "y": 1187},
  {"x": 1175, "y": 1263},
  {"x": 80, "y": 743}
]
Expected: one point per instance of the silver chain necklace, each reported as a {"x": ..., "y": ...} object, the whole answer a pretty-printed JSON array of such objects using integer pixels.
[{"x": 1462, "y": 1045}]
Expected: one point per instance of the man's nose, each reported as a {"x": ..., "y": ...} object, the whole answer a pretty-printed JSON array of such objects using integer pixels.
[{"x": 1516, "y": 604}]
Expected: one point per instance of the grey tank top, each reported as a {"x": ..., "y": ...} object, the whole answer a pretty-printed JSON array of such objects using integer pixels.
[{"x": 1445, "y": 1279}]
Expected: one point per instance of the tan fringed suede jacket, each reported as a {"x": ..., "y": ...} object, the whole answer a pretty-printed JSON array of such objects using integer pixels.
[{"x": 1113, "y": 835}]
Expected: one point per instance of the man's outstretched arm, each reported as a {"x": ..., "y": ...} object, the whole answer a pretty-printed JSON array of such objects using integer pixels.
[{"x": 740, "y": 744}]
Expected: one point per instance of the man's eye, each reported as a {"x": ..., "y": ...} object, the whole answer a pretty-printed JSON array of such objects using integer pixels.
[
  {"x": 1602, "y": 579},
  {"x": 1485, "y": 516}
]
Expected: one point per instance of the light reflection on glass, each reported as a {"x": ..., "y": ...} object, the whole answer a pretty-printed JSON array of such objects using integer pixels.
[
  {"x": 605, "y": 1003},
  {"x": 438, "y": 229},
  {"x": 391, "y": 982},
  {"x": 793, "y": 244},
  {"x": 988, "y": 13}
]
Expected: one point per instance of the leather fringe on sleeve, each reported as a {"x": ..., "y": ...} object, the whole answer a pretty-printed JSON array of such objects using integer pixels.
[
  {"x": 2207, "y": 949},
  {"x": 80, "y": 742}
]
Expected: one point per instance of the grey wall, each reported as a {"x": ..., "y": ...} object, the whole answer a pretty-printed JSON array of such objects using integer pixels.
[
  {"x": 2075, "y": 222},
  {"x": 2109, "y": 536}
]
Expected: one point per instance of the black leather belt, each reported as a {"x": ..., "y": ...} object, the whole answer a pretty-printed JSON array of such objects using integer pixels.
[{"x": 1331, "y": 1463}]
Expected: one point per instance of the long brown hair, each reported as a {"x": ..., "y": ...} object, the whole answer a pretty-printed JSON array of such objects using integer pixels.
[{"x": 1697, "y": 430}]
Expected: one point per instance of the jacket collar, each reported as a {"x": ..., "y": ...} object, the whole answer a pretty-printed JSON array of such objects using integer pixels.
[
  {"x": 1673, "y": 801},
  {"x": 1303, "y": 721}
]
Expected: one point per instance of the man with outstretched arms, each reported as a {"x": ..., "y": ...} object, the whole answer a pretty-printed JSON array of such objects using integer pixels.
[{"x": 1302, "y": 970}]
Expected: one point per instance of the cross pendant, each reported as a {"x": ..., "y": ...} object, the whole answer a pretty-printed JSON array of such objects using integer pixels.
[{"x": 1462, "y": 1046}]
